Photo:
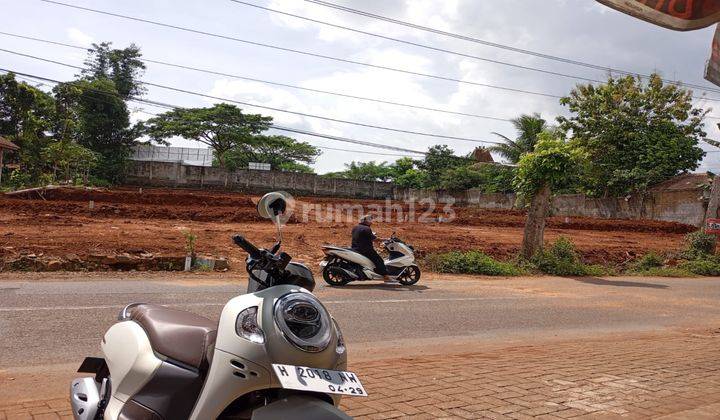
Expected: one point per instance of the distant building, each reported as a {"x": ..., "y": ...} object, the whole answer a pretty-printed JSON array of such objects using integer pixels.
[
  {"x": 188, "y": 155},
  {"x": 482, "y": 155}
]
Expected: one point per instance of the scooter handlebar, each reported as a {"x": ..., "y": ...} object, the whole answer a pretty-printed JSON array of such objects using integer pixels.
[{"x": 247, "y": 246}]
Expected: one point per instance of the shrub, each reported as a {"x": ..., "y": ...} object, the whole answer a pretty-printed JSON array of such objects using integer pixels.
[
  {"x": 647, "y": 262},
  {"x": 470, "y": 262},
  {"x": 709, "y": 266},
  {"x": 19, "y": 179},
  {"x": 561, "y": 259},
  {"x": 699, "y": 243}
]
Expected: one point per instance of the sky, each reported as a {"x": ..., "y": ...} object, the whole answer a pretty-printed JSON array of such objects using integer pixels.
[{"x": 578, "y": 29}]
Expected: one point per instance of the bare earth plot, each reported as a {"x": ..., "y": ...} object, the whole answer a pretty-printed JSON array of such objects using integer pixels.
[{"x": 60, "y": 224}]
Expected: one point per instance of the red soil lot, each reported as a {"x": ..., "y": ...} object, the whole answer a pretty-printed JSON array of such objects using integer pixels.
[{"x": 59, "y": 223}]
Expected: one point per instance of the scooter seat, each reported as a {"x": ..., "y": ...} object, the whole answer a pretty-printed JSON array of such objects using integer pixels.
[{"x": 178, "y": 335}]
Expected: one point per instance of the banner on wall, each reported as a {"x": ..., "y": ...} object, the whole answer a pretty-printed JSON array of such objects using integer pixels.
[{"x": 680, "y": 15}]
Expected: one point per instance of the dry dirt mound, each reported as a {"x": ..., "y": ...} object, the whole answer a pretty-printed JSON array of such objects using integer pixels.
[
  {"x": 134, "y": 204},
  {"x": 516, "y": 218}
]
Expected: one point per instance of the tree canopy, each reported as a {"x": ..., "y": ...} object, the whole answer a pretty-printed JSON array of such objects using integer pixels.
[
  {"x": 528, "y": 127},
  {"x": 281, "y": 152},
  {"x": 634, "y": 134},
  {"x": 222, "y": 127}
]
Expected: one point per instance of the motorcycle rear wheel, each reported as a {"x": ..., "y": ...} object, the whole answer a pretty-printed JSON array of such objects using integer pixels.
[
  {"x": 334, "y": 277},
  {"x": 410, "y": 276}
]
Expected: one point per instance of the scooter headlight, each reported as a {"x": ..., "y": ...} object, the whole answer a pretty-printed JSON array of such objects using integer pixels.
[
  {"x": 246, "y": 326},
  {"x": 303, "y": 321}
]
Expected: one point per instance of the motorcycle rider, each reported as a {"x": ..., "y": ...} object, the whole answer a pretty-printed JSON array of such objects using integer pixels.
[{"x": 362, "y": 243}]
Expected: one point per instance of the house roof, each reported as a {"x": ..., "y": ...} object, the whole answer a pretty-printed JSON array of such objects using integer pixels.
[
  {"x": 683, "y": 182},
  {"x": 8, "y": 145}
]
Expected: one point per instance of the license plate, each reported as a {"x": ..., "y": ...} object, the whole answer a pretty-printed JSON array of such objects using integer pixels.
[
  {"x": 319, "y": 380},
  {"x": 323, "y": 263}
]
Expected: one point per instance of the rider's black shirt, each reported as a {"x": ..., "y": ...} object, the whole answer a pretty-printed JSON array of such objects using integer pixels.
[{"x": 362, "y": 238}]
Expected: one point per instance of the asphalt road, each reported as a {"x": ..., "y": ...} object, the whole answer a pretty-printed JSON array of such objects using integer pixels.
[{"x": 48, "y": 325}]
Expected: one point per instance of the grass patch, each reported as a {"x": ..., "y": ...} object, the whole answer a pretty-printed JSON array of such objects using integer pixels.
[
  {"x": 707, "y": 266},
  {"x": 471, "y": 262},
  {"x": 662, "y": 272}
]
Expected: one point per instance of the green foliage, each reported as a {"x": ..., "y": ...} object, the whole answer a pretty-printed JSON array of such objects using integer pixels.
[
  {"x": 70, "y": 159},
  {"x": 703, "y": 266},
  {"x": 470, "y": 262},
  {"x": 439, "y": 159},
  {"x": 413, "y": 178},
  {"x": 365, "y": 171},
  {"x": 662, "y": 272},
  {"x": 123, "y": 67},
  {"x": 281, "y": 152},
  {"x": 528, "y": 128},
  {"x": 19, "y": 179},
  {"x": 98, "y": 120},
  {"x": 223, "y": 127},
  {"x": 26, "y": 116},
  {"x": 552, "y": 162},
  {"x": 698, "y": 244},
  {"x": 489, "y": 178},
  {"x": 647, "y": 262},
  {"x": 190, "y": 241},
  {"x": 633, "y": 134},
  {"x": 295, "y": 167},
  {"x": 561, "y": 259}
]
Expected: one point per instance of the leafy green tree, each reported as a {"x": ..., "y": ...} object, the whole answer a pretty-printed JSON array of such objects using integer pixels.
[
  {"x": 490, "y": 178},
  {"x": 634, "y": 134},
  {"x": 223, "y": 127},
  {"x": 550, "y": 167},
  {"x": 26, "y": 116},
  {"x": 101, "y": 122},
  {"x": 70, "y": 160},
  {"x": 365, "y": 171},
  {"x": 413, "y": 178},
  {"x": 528, "y": 128},
  {"x": 281, "y": 152},
  {"x": 122, "y": 66},
  {"x": 295, "y": 167},
  {"x": 439, "y": 159}
]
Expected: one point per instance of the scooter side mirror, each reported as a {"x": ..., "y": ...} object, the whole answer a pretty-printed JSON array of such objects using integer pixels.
[{"x": 276, "y": 206}]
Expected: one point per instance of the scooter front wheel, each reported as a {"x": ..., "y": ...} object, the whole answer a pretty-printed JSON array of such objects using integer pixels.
[
  {"x": 334, "y": 276},
  {"x": 410, "y": 276}
]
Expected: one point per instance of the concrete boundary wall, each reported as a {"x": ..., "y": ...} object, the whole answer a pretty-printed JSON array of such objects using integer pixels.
[
  {"x": 683, "y": 206},
  {"x": 175, "y": 174}
]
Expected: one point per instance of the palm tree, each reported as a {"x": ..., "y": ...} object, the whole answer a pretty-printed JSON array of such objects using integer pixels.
[{"x": 528, "y": 127}]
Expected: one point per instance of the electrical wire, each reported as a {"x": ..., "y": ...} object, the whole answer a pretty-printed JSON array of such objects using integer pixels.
[
  {"x": 303, "y": 114},
  {"x": 417, "y": 44},
  {"x": 275, "y": 47},
  {"x": 274, "y": 126},
  {"x": 500, "y": 46},
  {"x": 251, "y": 79}
]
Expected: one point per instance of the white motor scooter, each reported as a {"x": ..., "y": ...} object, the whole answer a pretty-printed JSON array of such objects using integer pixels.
[
  {"x": 275, "y": 353},
  {"x": 343, "y": 265}
]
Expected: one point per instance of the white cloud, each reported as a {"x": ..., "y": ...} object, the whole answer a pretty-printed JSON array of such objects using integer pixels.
[{"x": 80, "y": 37}]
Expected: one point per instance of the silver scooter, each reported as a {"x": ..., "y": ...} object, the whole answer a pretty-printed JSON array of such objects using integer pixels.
[
  {"x": 276, "y": 353},
  {"x": 343, "y": 265}
]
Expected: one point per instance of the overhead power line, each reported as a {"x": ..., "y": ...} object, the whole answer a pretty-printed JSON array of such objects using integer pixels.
[
  {"x": 327, "y": 57},
  {"x": 498, "y": 45},
  {"x": 274, "y": 126},
  {"x": 417, "y": 44},
  {"x": 251, "y": 79},
  {"x": 303, "y": 114}
]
